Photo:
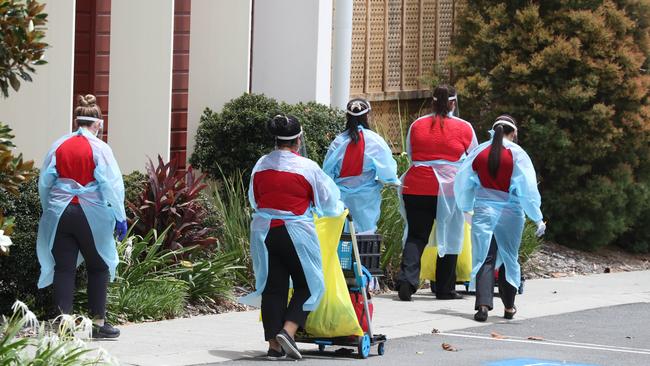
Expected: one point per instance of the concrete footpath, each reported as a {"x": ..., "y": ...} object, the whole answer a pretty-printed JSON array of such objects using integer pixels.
[{"x": 218, "y": 338}]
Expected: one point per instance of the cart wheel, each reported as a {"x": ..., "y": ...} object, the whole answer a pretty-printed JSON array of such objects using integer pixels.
[
  {"x": 380, "y": 349},
  {"x": 321, "y": 348},
  {"x": 364, "y": 346}
]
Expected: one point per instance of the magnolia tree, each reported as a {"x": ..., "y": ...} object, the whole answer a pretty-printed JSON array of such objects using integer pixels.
[
  {"x": 575, "y": 76},
  {"x": 21, "y": 41},
  {"x": 22, "y": 25}
]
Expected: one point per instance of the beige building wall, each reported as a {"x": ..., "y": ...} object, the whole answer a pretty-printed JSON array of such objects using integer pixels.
[
  {"x": 292, "y": 48},
  {"x": 219, "y": 57},
  {"x": 140, "y": 81},
  {"x": 41, "y": 111}
]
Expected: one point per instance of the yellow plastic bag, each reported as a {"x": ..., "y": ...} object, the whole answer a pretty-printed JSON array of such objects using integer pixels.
[
  {"x": 463, "y": 266},
  {"x": 335, "y": 316}
]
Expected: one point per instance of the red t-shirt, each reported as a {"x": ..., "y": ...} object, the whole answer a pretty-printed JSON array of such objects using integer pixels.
[
  {"x": 282, "y": 191},
  {"x": 431, "y": 141},
  {"x": 504, "y": 173},
  {"x": 74, "y": 160}
]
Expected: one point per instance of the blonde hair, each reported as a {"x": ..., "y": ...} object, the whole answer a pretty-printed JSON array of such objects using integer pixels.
[{"x": 87, "y": 107}]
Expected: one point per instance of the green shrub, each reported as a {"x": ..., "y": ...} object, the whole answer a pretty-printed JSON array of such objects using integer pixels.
[
  {"x": 575, "y": 76},
  {"x": 321, "y": 125},
  {"x": 529, "y": 242},
  {"x": 211, "y": 276},
  {"x": 19, "y": 271},
  {"x": 147, "y": 286},
  {"x": 152, "y": 283},
  {"x": 391, "y": 224},
  {"x": 134, "y": 184},
  {"x": 236, "y": 138}
]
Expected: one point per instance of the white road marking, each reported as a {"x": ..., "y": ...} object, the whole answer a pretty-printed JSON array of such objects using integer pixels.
[{"x": 600, "y": 347}]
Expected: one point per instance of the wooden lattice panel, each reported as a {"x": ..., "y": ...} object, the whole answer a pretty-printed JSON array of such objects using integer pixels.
[
  {"x": 358, "y": 67},
  {"x": 411, "y": 45},
  {"x": 376, "y": 41},
  {"x": 428, "y": 41},
  {"x": 392, "y": 118},
  {"x": 393, "y": 62},
  {"x": 445, "y": 28}
]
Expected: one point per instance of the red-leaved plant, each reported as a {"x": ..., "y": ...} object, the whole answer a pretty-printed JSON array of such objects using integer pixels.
[{"x": 170, "y": 199}]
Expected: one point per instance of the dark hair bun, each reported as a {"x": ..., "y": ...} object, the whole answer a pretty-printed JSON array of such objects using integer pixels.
[{"x": 283, "y": 125}]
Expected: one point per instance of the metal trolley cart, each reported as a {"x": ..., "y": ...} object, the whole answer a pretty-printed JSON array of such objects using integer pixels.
[{"x": 366, "y": 251}]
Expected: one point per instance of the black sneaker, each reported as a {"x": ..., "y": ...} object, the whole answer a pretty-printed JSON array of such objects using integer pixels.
[
  {"x": 274, "y": 355},
  {"x": 450, "y": 296},
  {"x": 482, "y": 314},
  {"x": 105, "y": 331},
  {"x": 288, "y": 345},
  {"x": 510, "y": 314},
  {"x": 405, "y": 292}
]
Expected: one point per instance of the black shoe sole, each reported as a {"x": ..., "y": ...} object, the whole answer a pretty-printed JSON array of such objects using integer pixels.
[
  {"x": 288, "y": 346},
  {"x": 101, "y": 335},
  {"x": 404, "y": 292}
]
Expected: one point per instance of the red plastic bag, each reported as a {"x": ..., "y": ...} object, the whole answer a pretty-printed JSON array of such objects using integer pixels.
[{"x": 357, "y": 303}]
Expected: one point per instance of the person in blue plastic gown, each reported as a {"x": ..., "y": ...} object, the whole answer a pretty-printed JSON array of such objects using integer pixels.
[
  {"x": 286, "y": 190},
  {"x": 498, "y": 184},
  {"x": 436, "y": 144},
  {"x": 360, "y": 162},
  {"x": 82, "y": 196}
]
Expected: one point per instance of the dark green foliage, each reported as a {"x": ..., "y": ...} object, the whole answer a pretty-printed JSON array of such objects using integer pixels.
[
  {"x": 320, "y": 123},
  {"x": 19, "y": 271},
  {"x": 574, "y": 74},
  {"x": 134, "y": 184},
  {"x": 234, "y": 139}
]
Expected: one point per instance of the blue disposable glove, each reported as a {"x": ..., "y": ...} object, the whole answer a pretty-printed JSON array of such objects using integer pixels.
[{"x": 121, "y": 229}]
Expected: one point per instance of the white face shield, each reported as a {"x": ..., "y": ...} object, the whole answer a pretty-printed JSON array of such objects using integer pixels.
[
  {"x": 302, "y": 146},
  {"x": 100, "y": 127}
]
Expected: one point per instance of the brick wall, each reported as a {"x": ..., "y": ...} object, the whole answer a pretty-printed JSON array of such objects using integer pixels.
[
  {"x": 92, "y": 52},
  {"x": 180, "y": 79}
]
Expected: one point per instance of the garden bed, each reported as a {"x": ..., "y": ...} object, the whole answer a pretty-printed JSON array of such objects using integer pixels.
[{"x": 554, "y": 261}]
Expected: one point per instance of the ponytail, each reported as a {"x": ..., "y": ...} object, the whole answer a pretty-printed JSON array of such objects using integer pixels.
[
  {"x": 494, "y": 159},
  {"x": 442, "y": 96},
  {"x": 505, "y": 124}
]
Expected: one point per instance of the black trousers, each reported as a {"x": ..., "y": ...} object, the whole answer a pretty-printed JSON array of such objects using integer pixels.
[
  {"x": 485, "y": 282},
  {"x": 283, "y": 263},
  {"x": 73, "y": 235},
  {"x": 420, "y": 214}
]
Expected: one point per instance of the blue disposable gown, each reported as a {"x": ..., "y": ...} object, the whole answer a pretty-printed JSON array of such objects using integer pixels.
[
  {"x": 300, "y": 227},
  {"x": 499, "y": 213},
  {"x": 449, "y": 230},
  {"x": 101, "y": 200},
  {"x": 362, "y": 194}
]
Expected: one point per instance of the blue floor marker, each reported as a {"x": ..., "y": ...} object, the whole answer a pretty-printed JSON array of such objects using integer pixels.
[{"x": 534, "y": 362}]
